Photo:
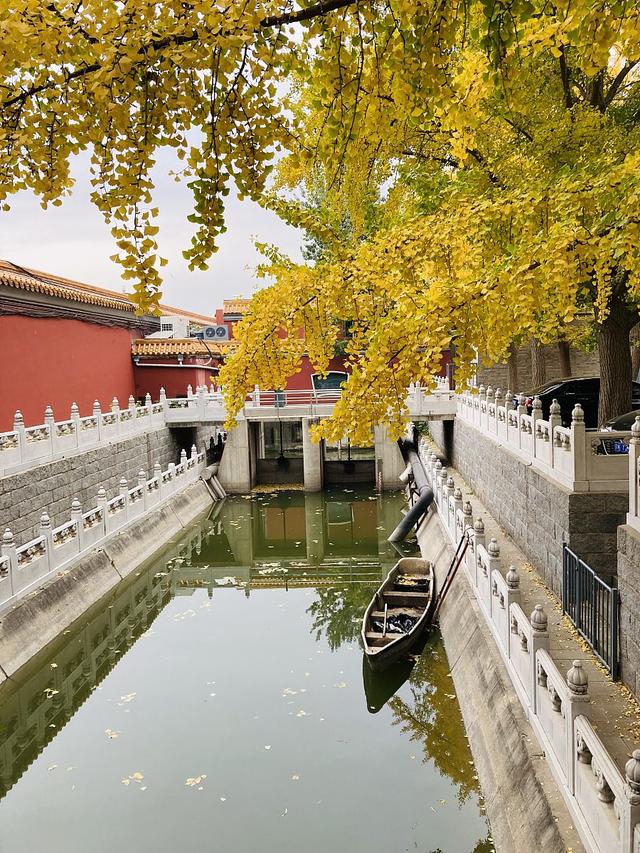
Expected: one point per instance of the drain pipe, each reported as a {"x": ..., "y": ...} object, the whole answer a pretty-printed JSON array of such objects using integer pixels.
[{"x": 424, "y": 491}]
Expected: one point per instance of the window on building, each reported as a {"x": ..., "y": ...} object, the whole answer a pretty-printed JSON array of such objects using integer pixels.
[{"x": 331, "y": 382}]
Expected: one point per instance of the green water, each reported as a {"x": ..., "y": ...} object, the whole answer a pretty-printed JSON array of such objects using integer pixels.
[{"x": 216, "y": 702}]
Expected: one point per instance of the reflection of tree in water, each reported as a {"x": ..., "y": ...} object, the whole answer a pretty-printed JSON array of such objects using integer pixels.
[
  {"x": 337, "y": 612},
  {"x": 432, "y": 718}
]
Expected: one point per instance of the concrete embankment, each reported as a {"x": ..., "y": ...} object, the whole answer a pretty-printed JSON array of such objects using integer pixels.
[
  {"x": 524, "y": 806},
  {"x": 43, "y": 615}
]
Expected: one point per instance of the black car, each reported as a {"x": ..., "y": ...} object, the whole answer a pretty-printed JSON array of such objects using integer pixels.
[{"x": 568, "y": 392}]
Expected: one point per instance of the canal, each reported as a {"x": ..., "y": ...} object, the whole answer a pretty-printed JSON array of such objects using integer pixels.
[{"x": 217, "y": 701}]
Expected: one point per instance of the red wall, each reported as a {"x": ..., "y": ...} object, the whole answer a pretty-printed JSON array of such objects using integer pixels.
[
  {"x": 301, "y": 381},
  {"x": 174, "y": 380},
  {"x": 56, "y": 362}
]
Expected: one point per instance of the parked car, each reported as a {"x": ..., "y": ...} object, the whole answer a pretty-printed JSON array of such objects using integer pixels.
[
  {"x": 622, "y": 423},
  {"x": 568, "y": 392}
]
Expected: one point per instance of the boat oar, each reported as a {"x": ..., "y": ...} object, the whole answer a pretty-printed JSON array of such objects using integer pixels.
[
  {"x": 461, "y": 550},
  {"x": 384, "y": 625}
]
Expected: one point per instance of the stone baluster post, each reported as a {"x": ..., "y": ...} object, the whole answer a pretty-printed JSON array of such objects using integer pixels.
[
  {"x": 148, "y": 401},
  {"x": 536, "y": 414},
  {"x": 131, "y": 406},
  {"x": 476, "y": 538},
  {"x": 8, "y": 549},
  {"x": 50, "y": 423},
  {"x": 457, "y": 505},
  {"x": 76, "y": 515},
  {"x": 443, "y": 476},
  {"x": 74, "y": 417},
  {"x": 49, "y": 419},
  {"x": 555, "y": 420},
  {"x": 578, "y": 684},
  {"x": 632, "y": 791},
  {"x": 123, "y": 490},
  {"x": 578, "y": 445},
  {"x": 18, "y": 427},
  {"x": 163, "y": 396},
  {"x": 493, "y": 550},
  {"x": 201, "y": 401},
  {"x": 189, "y": 392},
  {"x": 96, "y": 414},
  {"x": 101, "y": 503},
  {"x": 450, "y": 487},
  {"x": 482, "y": 399},
  {"x": 512, "y": 579},
  {"x": 499, "y": 402},
  {"x": 511, "y": 437},
  {"x": 467, "y": 511},
  {"x": 539, "y": 640},
  {"x": 491, "y": 417},
  {"x": 142, "y": 483},
  {"x": 115, "y": 410},
  {"x": 45, "y": 532},
  {"x": 183, "y": 458},
  {"x": 633, "y": 517}
]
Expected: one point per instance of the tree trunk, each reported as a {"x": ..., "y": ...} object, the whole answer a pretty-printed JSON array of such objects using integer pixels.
[
  {"x": 538, "y": 371},
  {"x": 615, "y": 360},
  {"x": 512, "y": 370},
  {"x": 564, "y": 351},
  {"x": 635, "y": 351}
]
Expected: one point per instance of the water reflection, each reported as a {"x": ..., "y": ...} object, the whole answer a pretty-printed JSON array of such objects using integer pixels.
[{"x": 335, "y": 546}]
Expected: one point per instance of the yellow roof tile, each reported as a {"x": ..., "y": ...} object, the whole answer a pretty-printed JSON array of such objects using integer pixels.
[
  {"x": 34, "y": 281},
  {"x": 178, "y": 346}
]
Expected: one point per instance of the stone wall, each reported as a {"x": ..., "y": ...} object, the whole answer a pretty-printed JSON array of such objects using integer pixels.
[
  {"x": 582, "y": 364},
  {"x": 629, "y": 583},
  {"x": 537, "y": 513},
  {"x": 53, "y": 486}
]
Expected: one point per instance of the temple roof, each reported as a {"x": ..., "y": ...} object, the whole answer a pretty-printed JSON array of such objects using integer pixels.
[{"x": 178, "y": 346}]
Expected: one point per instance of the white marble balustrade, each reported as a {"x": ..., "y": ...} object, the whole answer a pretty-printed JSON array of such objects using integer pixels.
[
  {"x": 604, "y": 803},
  {"x": 572, "y": 456},
  {"x": 23, "y": 567}
]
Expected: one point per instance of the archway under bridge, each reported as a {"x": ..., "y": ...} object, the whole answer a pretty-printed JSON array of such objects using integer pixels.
[{"x": 279, "y": 451}]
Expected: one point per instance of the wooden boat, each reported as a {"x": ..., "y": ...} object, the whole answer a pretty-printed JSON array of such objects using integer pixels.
[{"x": 399, "y": 612}]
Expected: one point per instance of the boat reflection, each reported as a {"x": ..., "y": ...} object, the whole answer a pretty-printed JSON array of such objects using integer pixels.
[{"x": 379, "y": 687}]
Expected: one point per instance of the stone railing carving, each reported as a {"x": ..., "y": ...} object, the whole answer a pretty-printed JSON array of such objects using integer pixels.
[
  {"x": 604, "y": 802},
  {"x": 22, "y": 567},
  {"x": 633, "y": 518},
  {"x": 573, "y": 456},
  {"x": 23, "y": 447}
]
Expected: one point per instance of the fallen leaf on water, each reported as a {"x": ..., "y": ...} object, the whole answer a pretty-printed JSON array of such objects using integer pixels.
[
  {"x": 192, "y": 781},
  {"x": 340, "y": 684},
  {"x": 111, "y": 734},
  {"x": 284, "y": 812},
  {"x": 268, "y": 746},
  {"x": 53, "y": 767},
  {"x": 295, "y": 777}
]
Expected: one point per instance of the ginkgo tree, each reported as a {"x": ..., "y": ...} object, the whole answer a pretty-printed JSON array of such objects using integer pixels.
[
  {"x": 511, "y": 181},
  {"x": 497, "y": 144}
]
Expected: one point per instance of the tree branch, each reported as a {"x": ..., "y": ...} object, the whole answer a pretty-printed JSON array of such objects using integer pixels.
[
  {"x": 618, "y": 80},
  {"x": 323, "y": 7},
  {"x": 316, "y": 11}
]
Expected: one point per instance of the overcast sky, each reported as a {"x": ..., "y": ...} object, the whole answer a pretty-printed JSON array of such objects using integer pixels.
[{"x": 73, "y": 241}]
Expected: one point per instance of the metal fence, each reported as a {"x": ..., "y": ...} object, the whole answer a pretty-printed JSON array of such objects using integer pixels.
[{"x": 593, "y": 607}]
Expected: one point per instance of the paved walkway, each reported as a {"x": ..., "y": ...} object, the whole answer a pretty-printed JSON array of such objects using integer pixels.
[{"x": 614, "y": 712}]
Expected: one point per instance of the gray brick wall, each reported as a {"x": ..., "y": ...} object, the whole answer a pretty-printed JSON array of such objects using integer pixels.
[
  {"x": 52, "y": 487},
  {"x": 629, "y": 583},
  {"x": 534, "y": 511},
  {"x": 582, "y": 364}
]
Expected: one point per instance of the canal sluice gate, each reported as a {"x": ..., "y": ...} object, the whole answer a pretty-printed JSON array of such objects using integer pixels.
[{"x": 218, "y": 701}]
